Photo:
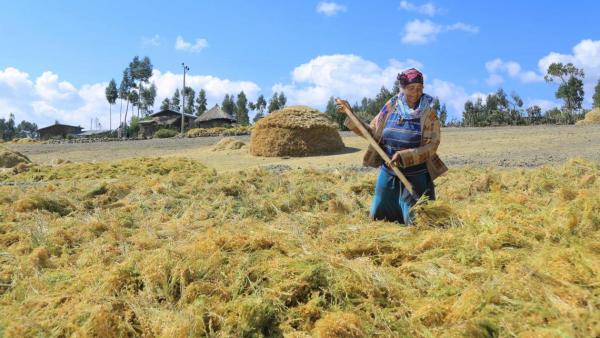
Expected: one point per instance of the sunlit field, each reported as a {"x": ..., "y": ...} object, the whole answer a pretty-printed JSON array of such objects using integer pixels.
[{"x": 169, "y": 247}]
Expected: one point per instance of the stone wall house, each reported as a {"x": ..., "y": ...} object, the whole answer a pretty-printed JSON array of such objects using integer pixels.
[
  {"x": 164, "y": 119},
  {"x": 58, "y": 130}
]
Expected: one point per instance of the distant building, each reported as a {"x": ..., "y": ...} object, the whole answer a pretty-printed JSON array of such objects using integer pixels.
[
  {"x": 58, "y": 130},
  {"x": 94, "y": 133},
  {"x": 164, "y": 119},
  {"x": 215, "y": 117}
]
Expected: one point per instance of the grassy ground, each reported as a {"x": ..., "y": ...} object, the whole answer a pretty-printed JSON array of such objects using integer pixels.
[
  {"x": 502, "y": 146},
  {"x": 170, "y": 247}
]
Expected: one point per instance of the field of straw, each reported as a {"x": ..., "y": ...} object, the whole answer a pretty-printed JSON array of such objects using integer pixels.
[{"x": 167, "y": 247}]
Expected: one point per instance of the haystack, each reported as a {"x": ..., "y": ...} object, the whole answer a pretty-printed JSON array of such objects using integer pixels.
[
  {"x": 295, "y": 131},
  {"x": 592, "y": 117},
  {"x": 9, "y": 158},
  {"x": 228, "y": 143}
]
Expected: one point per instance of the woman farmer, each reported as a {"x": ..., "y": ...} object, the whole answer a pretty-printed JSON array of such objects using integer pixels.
[{"x": 408, "y": 130}]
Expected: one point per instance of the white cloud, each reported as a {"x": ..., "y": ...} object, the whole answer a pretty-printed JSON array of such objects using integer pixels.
[
  {"x": 181, "y": 44},
  {"x": 461, "y": 26},
  {"x": 14, "y": 79},
  {"x": 153, "y": 41},
  {"x": 352, "y": 78},
  {"x": 49, "y": 88},
  {"x": 453, "y": 95},
  {"x": 330, "y": 8},
  {"x": 494, "y": 80},
  {"x": 342, "y": 75},
  {"x": 419, "y": 32},
  {"x": 512, "y": 69},
  {"x": 216, "y": 88},
  {"x": 585, "y": 55},
  {"x": 426, "y": 9},
  {"x": 48, "y": 98}
]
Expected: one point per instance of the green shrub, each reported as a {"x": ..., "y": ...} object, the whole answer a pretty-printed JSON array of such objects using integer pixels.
[{"x": 165, "y": 133}]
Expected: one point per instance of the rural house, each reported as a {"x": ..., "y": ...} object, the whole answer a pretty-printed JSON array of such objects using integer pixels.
[
  {"x": 58, "y": 130},
  {"x": 167, "y": 118},
  {"x": 215, "y": 117}
]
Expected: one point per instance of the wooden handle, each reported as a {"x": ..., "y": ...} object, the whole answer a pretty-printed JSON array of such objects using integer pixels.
[{"x": 345, "y": 108}]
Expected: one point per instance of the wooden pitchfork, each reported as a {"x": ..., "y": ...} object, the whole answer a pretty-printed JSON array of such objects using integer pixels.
[{"x": 344, "y": 107}]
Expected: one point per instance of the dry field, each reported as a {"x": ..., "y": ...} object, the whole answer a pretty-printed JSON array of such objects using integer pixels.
[
  {"x": 204, "y": 243},
  {"x": 503, "y": 146}
]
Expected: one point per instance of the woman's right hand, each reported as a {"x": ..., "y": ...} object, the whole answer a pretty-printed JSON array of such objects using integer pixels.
[{"x": 342, "y": 106}]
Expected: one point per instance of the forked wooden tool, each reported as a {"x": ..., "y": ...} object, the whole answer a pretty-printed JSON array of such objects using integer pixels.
[{"x": 345, "y": 108}]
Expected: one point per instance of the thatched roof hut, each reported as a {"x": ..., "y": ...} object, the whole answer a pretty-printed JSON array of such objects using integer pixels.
[{"x": 214, "y": 117}]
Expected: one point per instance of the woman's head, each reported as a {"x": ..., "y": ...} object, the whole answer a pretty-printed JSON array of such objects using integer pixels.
[{"x": 411, "y": 81}]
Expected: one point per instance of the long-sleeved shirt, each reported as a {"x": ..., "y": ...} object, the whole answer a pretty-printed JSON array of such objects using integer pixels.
[{"x": 425, "y": 153}]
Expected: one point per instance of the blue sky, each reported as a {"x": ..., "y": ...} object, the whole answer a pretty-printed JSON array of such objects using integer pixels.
[{"x": 57, "y": 57}]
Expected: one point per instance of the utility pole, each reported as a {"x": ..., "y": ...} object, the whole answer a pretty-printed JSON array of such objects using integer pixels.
[{"x": 185, "y": 69}]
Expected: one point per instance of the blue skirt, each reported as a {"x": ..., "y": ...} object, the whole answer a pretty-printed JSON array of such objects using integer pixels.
[{"x": 392, "y": 201}]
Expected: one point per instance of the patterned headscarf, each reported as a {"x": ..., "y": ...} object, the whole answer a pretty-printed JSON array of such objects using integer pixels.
[{"x": 410, "y": 76}]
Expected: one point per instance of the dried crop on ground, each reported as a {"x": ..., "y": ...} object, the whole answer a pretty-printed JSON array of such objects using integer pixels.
[
  {"x": 10, "y": 158},
  {"x": 228, "y": 143},
  {"x": 295, "y": 131},
  {"x": 591, "y": 117},
  {"x": 168, "y": 247}
]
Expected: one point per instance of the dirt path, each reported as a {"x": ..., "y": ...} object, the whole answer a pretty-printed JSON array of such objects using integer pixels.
[{"x": 501, "y": 146}]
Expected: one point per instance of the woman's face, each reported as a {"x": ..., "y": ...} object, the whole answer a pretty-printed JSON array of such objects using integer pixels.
[{"x": 413, "y": 92}]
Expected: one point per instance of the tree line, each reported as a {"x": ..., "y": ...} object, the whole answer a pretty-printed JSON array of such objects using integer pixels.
[
  {"x": 237, "y": 106},
  {"x": 368, "y": 108},
  {"x": 502, "y": 109},
  {"x": 134, "y": 89},
  {"x": 10, "y": 130},
  {"x": 498, "y": 108}
]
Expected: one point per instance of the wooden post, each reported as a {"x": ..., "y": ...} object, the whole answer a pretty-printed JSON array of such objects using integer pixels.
[{"x": 345, "y": 108}]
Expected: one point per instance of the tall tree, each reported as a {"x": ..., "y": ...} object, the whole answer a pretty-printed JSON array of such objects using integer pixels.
[
  {"x": 189, "y": 94},
  {"x": 570, "y": 89},
  {"x": 124, "y": 89},
  {"x": 228, "y": 105},
  {"x": 241, "y": 109},
  {"x": 596, "y": 97},
  {"x": 443, "y": 115},
  {"x": 259, "y": 106},
  {"x": 148, "y": 97},
  {"x": 166, "y": 104},
  {"x": 141, "y": 70},
  {"x": 396, "y": 87},
  {"x": 515, "y": 110},
  {"x": 134, "y": 98},
  {"x": 436, "y": 105},
  {"x": 534, "y": 114},
  {"x": 335, "y": 116},
  {"x": 201, "y": 102},
  {"x": 282, "y": 100},
  {"x": 553, "y": 115},
  {"x": 274, "y": 103},
  {"x": 112, "y": 94},
  {"x": 27, "y": 129},
  {"x": 175, "y": 101},
  {"x": 7, "y": 128}
]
